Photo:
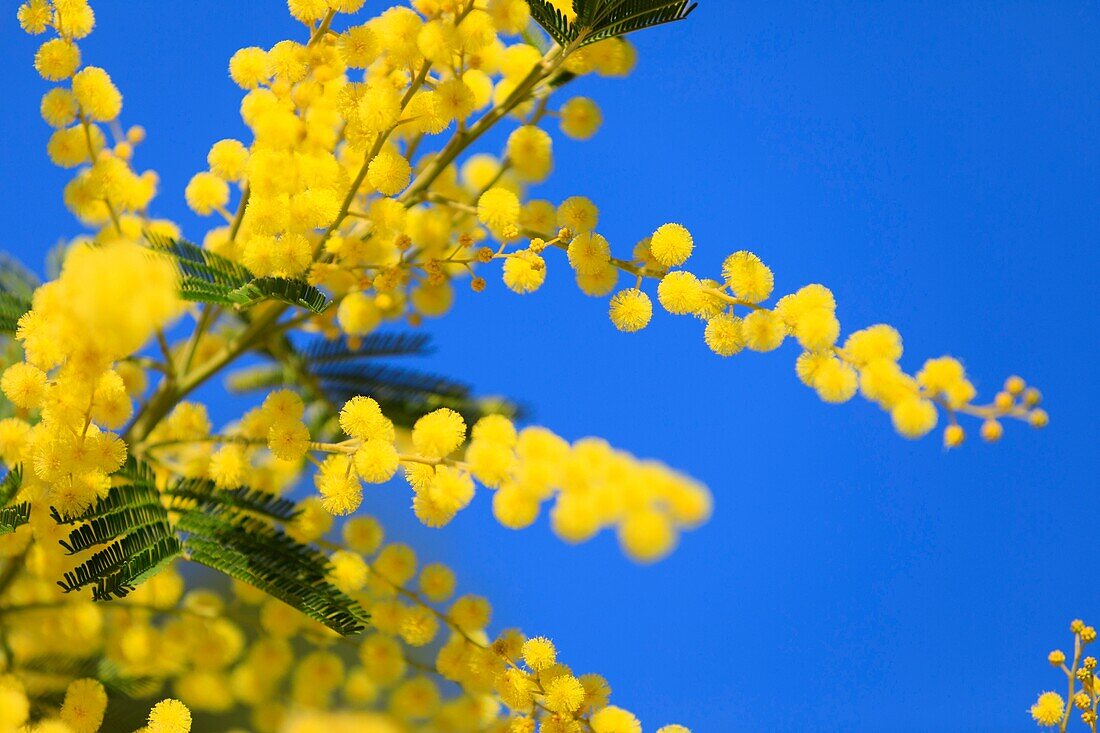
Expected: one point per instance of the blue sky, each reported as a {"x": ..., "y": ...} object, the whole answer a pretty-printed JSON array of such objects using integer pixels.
[{"x": 936, "y": 165}]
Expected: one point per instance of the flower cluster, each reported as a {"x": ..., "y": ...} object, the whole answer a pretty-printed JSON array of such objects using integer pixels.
[
  {"x": 732, "y": 307},
  {"x": 592, "y": 485},
  {"x": 1051, "y": 709}
]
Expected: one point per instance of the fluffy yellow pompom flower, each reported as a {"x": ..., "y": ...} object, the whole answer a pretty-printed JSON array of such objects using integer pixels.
[
  {"x": 96, "y": 94},
  {"x": 439, "y": 433},
  {"x": 389, "y": 172},
  {"x": 490, "y": 462},
  {"x": 84, "y": 300},
  {"x": 307, "y": 11},
  {"x": 723, "y": 334},
  {"x": 206, "y": 193},
  {"x": 835, "y": 381},
  {"x": 451, "y": 490},
  {"x": 283, "y": 406},
  {"x": 14, "y": 706},
  {"x": 524, "y": 272},
  {"x": 455, "y": 100},
  {"x": 680, "y": 292},
  {"x": 498, "y": 208},
  {"x": 914, "y": 417},
  {"x": 817, "y": 329},
  {"x": 530, "y": 150},
  {"x": 875, "y": 342},
  {"x": 288, "y": 441},
  {"x": 671, "y": 245},
  {"x": 578, "y": 214},
  {"x": 363, "y": 534},
  {"x": 437, "y": 582},
  {"x": 349, "y": 571},
  {"x": 673, "y": 728},
  {"x": 285, "y": 256},
  {"x": 509, "y": 16},
  {"x": 57, "y": 59},
  {"x": 24, "y": 385},
  {"x": 362, "y": 418},
  {"x": 77, "y": 18},
  {"x": 763, "y": 330},
  {"x": 539, "y": 653},
  {"x": 228, "y": 159},
  {"x": 341, "y": 492},
  {"x": 376, "y": 461},
  {"x": 169, "y": 716},
  {"x": 939, "y": 375},
  {"x": 1048, "y": 709},
  {"x": 358, "y": 47},
  {"x": 748, "y": 277},
  {"x": 471, "y": 613},
  {"x": 515, "y": 507},
  {"x": 84, "y": 705},
  {"x": 358, "y": 314},
  {"x": 614, "y": 719},
  {"x": 495, "y": 429},
  {"x": 580, "y": 118},
  {"x": 34, "y": 16},
  {"x": 250, "y": 67},
  {"x": 630, "y": 310},
  {"x": 646, "y": 535},
  {"x": 589, "y": 253},
  {"x": 227, "y": 466},
  {"x": 564, "y": 694},
  {"x": 58, "y": 107}
]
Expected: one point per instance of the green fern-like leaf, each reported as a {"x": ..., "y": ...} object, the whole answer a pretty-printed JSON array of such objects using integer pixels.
[
  {"x": 16, "y": 278},
  {"x": 291, "y": 292},
  {"x": 119, "y": 498},
  {"x": 133, "y": 524},
  {"x": 232, "y": 531},
  {"x": 17, "y": 286},
  {"x": 198, "y": 263},
  {"x": 13, "y": 517},
  {"x": 323, "y": 351},
  {"x": 552, "y": 21},
  {"x": 207, "y": 277},
  {"x": 11, "y": 484},
  {"x": 109, "y": 527},
  {"x": 261, "y": 555},
  {"x": 12, "y": 309},
  {"x": 120, "y": 567},
  {"x": 189, "y": 495},
  {"x": 600, "y": 19}
]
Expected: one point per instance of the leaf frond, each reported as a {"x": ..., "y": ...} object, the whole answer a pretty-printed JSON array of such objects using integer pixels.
[
  {"x": 601, "y": 19},
  {"x": 263, "y": 556},
  {"x": 202, "y": 494},
  {"x": 11, "y": 484},
  {"x": 13, "y": 517},
  {"x": 324, "y": 351},
  {"x": 292, "y": 292}
]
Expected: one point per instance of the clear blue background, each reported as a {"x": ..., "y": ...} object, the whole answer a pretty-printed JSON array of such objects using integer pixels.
[{"x": 936, "y": 164}]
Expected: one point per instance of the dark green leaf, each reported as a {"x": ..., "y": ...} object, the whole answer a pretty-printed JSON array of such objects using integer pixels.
[
  {"x": 200, "y": 494},
  {"x": 600, "y": 19},
  {"x": 11, "y": 484},
  {"x": 13, "y": 517},
  {"x": 292, "y": 292}
]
